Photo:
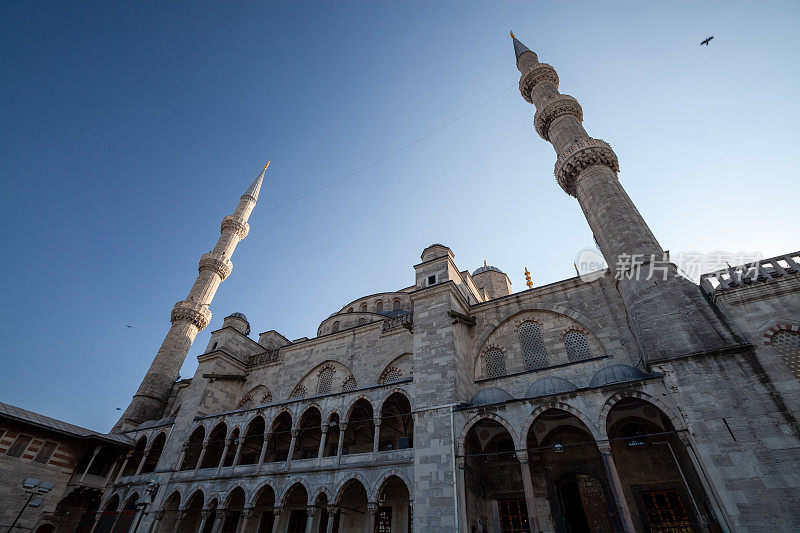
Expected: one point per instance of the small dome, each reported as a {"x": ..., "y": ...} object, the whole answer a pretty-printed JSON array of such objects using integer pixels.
[
  {"x": 489, "y": 396},
  {"x": 238, "y": 315},
  {"x": 616, "y": 374},
  {"x": 549, "y": 385},
  {"x": 488, "y": 268}
]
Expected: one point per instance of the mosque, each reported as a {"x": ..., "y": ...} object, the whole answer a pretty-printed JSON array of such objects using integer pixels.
[{"x": 635, "y": 400}]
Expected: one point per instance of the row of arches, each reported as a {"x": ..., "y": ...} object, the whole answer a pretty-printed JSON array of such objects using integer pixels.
[
  {"x": 351, "y": 508},
  {"x": 562, "y": 476},
  {"x": 310, "y": 437}
]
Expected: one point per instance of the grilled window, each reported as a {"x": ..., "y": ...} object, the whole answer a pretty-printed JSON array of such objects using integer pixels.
[
  {"x": 534, "y": 355},
  {"x": 495, "y": 363},
  {"x": 577, "y": 346},
  {"x": 788, "y": 345},
  {"x": 19, "y": 446}
]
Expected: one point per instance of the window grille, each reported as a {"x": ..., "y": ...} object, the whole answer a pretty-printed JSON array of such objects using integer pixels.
[
  {"x": 363, "y": 307},
  {"x": 246, "y": 402},
  {"x": 577, "y": 346},
  {"x": 19, "y": 446},
  {"x": 534, "y": 355},
  {"x": 335, "y": 326},
  {"x": 45, "y": 452},
  {"x": 379, "y": 306},
  {"x": 266, "y": 398},
  {"x": 349, "y": 384},
  {"x": 391, "y": 374},
  {"x": 495, "y": 363},
  {"x": 325, "y": 381},
  {"x": 299, "y": 392},
  {"x": 788, "y": 345},
  {"x": 396, "y": 304}
]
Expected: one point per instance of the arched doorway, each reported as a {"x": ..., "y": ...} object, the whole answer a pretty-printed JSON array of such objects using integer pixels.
[
  {"x": 495, "y": 496},
  {"x": 194, "y": 446},
  {"x": 397, "y": 424},
  {"x": 156, "y": 447},
  {"x": 308, "y": 435},
  {"x": 280, "y": 439},
  {"x": 359, "y": 435},
  {"x": 253, "y": 442},
  {"x": 570, "y": 482},
  {"x": 658, "y": 478},
  {"x": 107, "y": 517},
  {"x": 192, "y": 514},
  {"x": 215, "y": 446},
  {"x": 265, "y": 509},
  {"x": 393, "y": 508},
  {"x": 169, "y": 516},
  {"x": 320, "y": 517},
  {"x": 233, "y": 511},
  {"x": 352, "y": 504},
  {"x": 296, "y": 509}
]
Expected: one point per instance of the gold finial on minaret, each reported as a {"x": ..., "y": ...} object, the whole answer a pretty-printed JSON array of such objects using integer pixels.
[
  {"x": 528, "y": 281},
  {"x": 484, "y": 262},
  {"x": 266, "y": 166},
  {"x": 512, "y": 34},
  {"x": 576, "y": 268}
]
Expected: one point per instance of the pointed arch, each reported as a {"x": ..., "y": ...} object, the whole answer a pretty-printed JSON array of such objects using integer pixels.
[
  {"x": 342, "y": 485},
  {"x": 677, "y": 422},
  {"x": 373, "y": 494},
  {"x": 154, "y": 453},
  {"x": 485, "y": 416},
  {"x": 524, "y": 429},
  {"x": 297, "y": 484},
  {"x": 255, "y": 397}
]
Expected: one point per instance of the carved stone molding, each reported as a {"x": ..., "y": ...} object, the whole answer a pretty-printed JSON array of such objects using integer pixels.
[
  {"x": 579, "y": 156},
  {"x": 230, "y": 222},
  {"x": 216, "y": 263},
  {"x": 197, "y": 314},
  {"x": 540, "y": 73},
  {"x": 555, "y": 107}
]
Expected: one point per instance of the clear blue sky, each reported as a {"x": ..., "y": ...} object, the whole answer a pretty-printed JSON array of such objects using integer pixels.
[{"x": 130, "y": 129}]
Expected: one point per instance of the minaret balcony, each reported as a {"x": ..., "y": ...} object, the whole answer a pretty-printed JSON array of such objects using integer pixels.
[
  {"x": 579, "y": 156},
  {"x": 216, "y": 262},
  {"x": 553, "y": 108},
  {"x": 540, "y": 73},
  {"x": 232, "y": 222},
  {"x": 197, "y": 314}
]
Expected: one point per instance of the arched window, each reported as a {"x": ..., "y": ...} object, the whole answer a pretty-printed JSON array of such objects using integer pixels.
[
  {"x": 335, "y": 327},
  {"x": 788, "y": 345},
  {"x": 325, "y": 381},
  {"x": 577, "y": 346},
  {"x": 349, "y": 384},
  {"x": 350, "y": 310},
  {"x": 379, "y": 306},
  {"x": 363, "y": 307},
  {"x": 495, "y": 363},
  {"x": 396, "y": 304},
  {"x": 534, "y": 355},
  {"x": 390, "y": 375},
  {"x": 299, "y": 392},
  {"x": 362, "y": 321}
]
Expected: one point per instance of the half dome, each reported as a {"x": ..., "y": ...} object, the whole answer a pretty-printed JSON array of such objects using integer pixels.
[
  {"x": 616, "y": 374},
  {"x": 549, "y": 385},
  {"x": 489, "y": 396}
]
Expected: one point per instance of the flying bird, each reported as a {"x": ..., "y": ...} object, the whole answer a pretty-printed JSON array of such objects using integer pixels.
[
  {"x": 706, "y": 41},
  {"x": 127, "y": 325}
]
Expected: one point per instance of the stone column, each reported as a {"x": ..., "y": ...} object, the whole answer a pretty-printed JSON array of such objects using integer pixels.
[
  {"x": 200, "y": 459},
  {"x": 181, "y": 457},
  {"x": 462, "y": 496},
  {"x": 91, "y": 461},
  {"x": 277, "y": 514},
  {"x": 342, "y": 429},
  {"x": 224, "y": 454},
  {"x": 244, "y": 521},
  {"x": 530, "y": 499},
  {"x": 124, "y": 465},
  {"x": 267, "y": 435},
  {"x": 219, "y": 520},
  {"x": 156, "y": 519},
  {"x": 375, "y": 437},
  {"x": 616, "y": 486},
  {"x": 239, "y": 442},
  {"x": 331, "y": 518},
  {"x": 312, "y": 513},
  {"x": 371, "y": 518},
  {"x": 323, "y": 438},
  {"x": 112, "y": 473},
  {"x": 141, "y": 462},
  {"x": 295, "y": 432},
  {"x": 182, "y": 515}
]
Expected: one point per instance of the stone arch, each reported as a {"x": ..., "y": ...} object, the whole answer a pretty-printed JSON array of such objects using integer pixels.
[
  {"x": 226, "y": 499},
  {"x": 319, "y": 490},
  {"x": 117, "y": 493},
  {"x": 394, "y": 390},
  {"x": 193, "y": 493},
  {"x": 485, "y": 416},
  {"x": 775, "y": 328},
  {"x": 256, "y": 494},
  {"x": 524, "y": 430},
  {"x": 312, "y": 405},
  {"x": 310, "y": 380},
  {"x": 343, "y": 484},
  {"x": 153, "y": 453},
  {"x": 288, "y": 488},
  {"x": 180, "y": 492},
  {"x": 257, "y": 396},
  {"x": 353, "y": 404},
  {"x": 373, "y": 494},
  {"x": 246, "y": 423},
  {"x": 393, "y": 359},
  {"x": 677, "y": 422},
  {"x": 488, "y": 328}
]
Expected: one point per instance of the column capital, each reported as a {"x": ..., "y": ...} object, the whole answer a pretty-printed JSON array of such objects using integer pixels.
[
  {"x": 377, "y": 421},
  {"x": 460, "y": 463},
  {"x": 312, "y": 511},
  {"x": 182, "y": 515},
  {"x": 250, "y": 512},
  {"x": 332, "y": 509},
  {"x": 277, "y": 511},
  {"x": 522, "y": 456},
  {"x": 372, "y": 507},
  {"x": 295, "y": 433},
  {"x": 324, "y": 428},
  {"x": 604, "y": 447}
]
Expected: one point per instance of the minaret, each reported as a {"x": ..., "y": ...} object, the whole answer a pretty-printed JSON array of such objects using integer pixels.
[
  {"x": 669, "y": 316},
  {"x": 191, "y": 315}
]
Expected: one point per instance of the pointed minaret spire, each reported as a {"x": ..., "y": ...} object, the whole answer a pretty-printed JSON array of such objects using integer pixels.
[
  {"x": 191, "y": 315},
  {"x": 255, "y": 187},
  {"x": 519, "y": 48}
]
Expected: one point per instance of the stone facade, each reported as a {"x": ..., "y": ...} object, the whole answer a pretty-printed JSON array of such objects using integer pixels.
[{"x": 622, "y": 402}]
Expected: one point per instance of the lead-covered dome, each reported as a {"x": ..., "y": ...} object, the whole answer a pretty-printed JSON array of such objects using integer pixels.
[
  {"x": 238, "y": 315},
  {"x": 489, "y": 396},
  {"x": 487, "y": 268},
  {"x": 549, "y": 385},
  {"x": 616, "y": 374}
]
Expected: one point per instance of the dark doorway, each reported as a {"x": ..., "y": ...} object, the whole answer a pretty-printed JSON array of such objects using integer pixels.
[
  {"x": 297, "y": 521},
  {"x": 569, "y": 496},
  {"x": 513, "y": 515},
  {"x": 665, "y": 512}
]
